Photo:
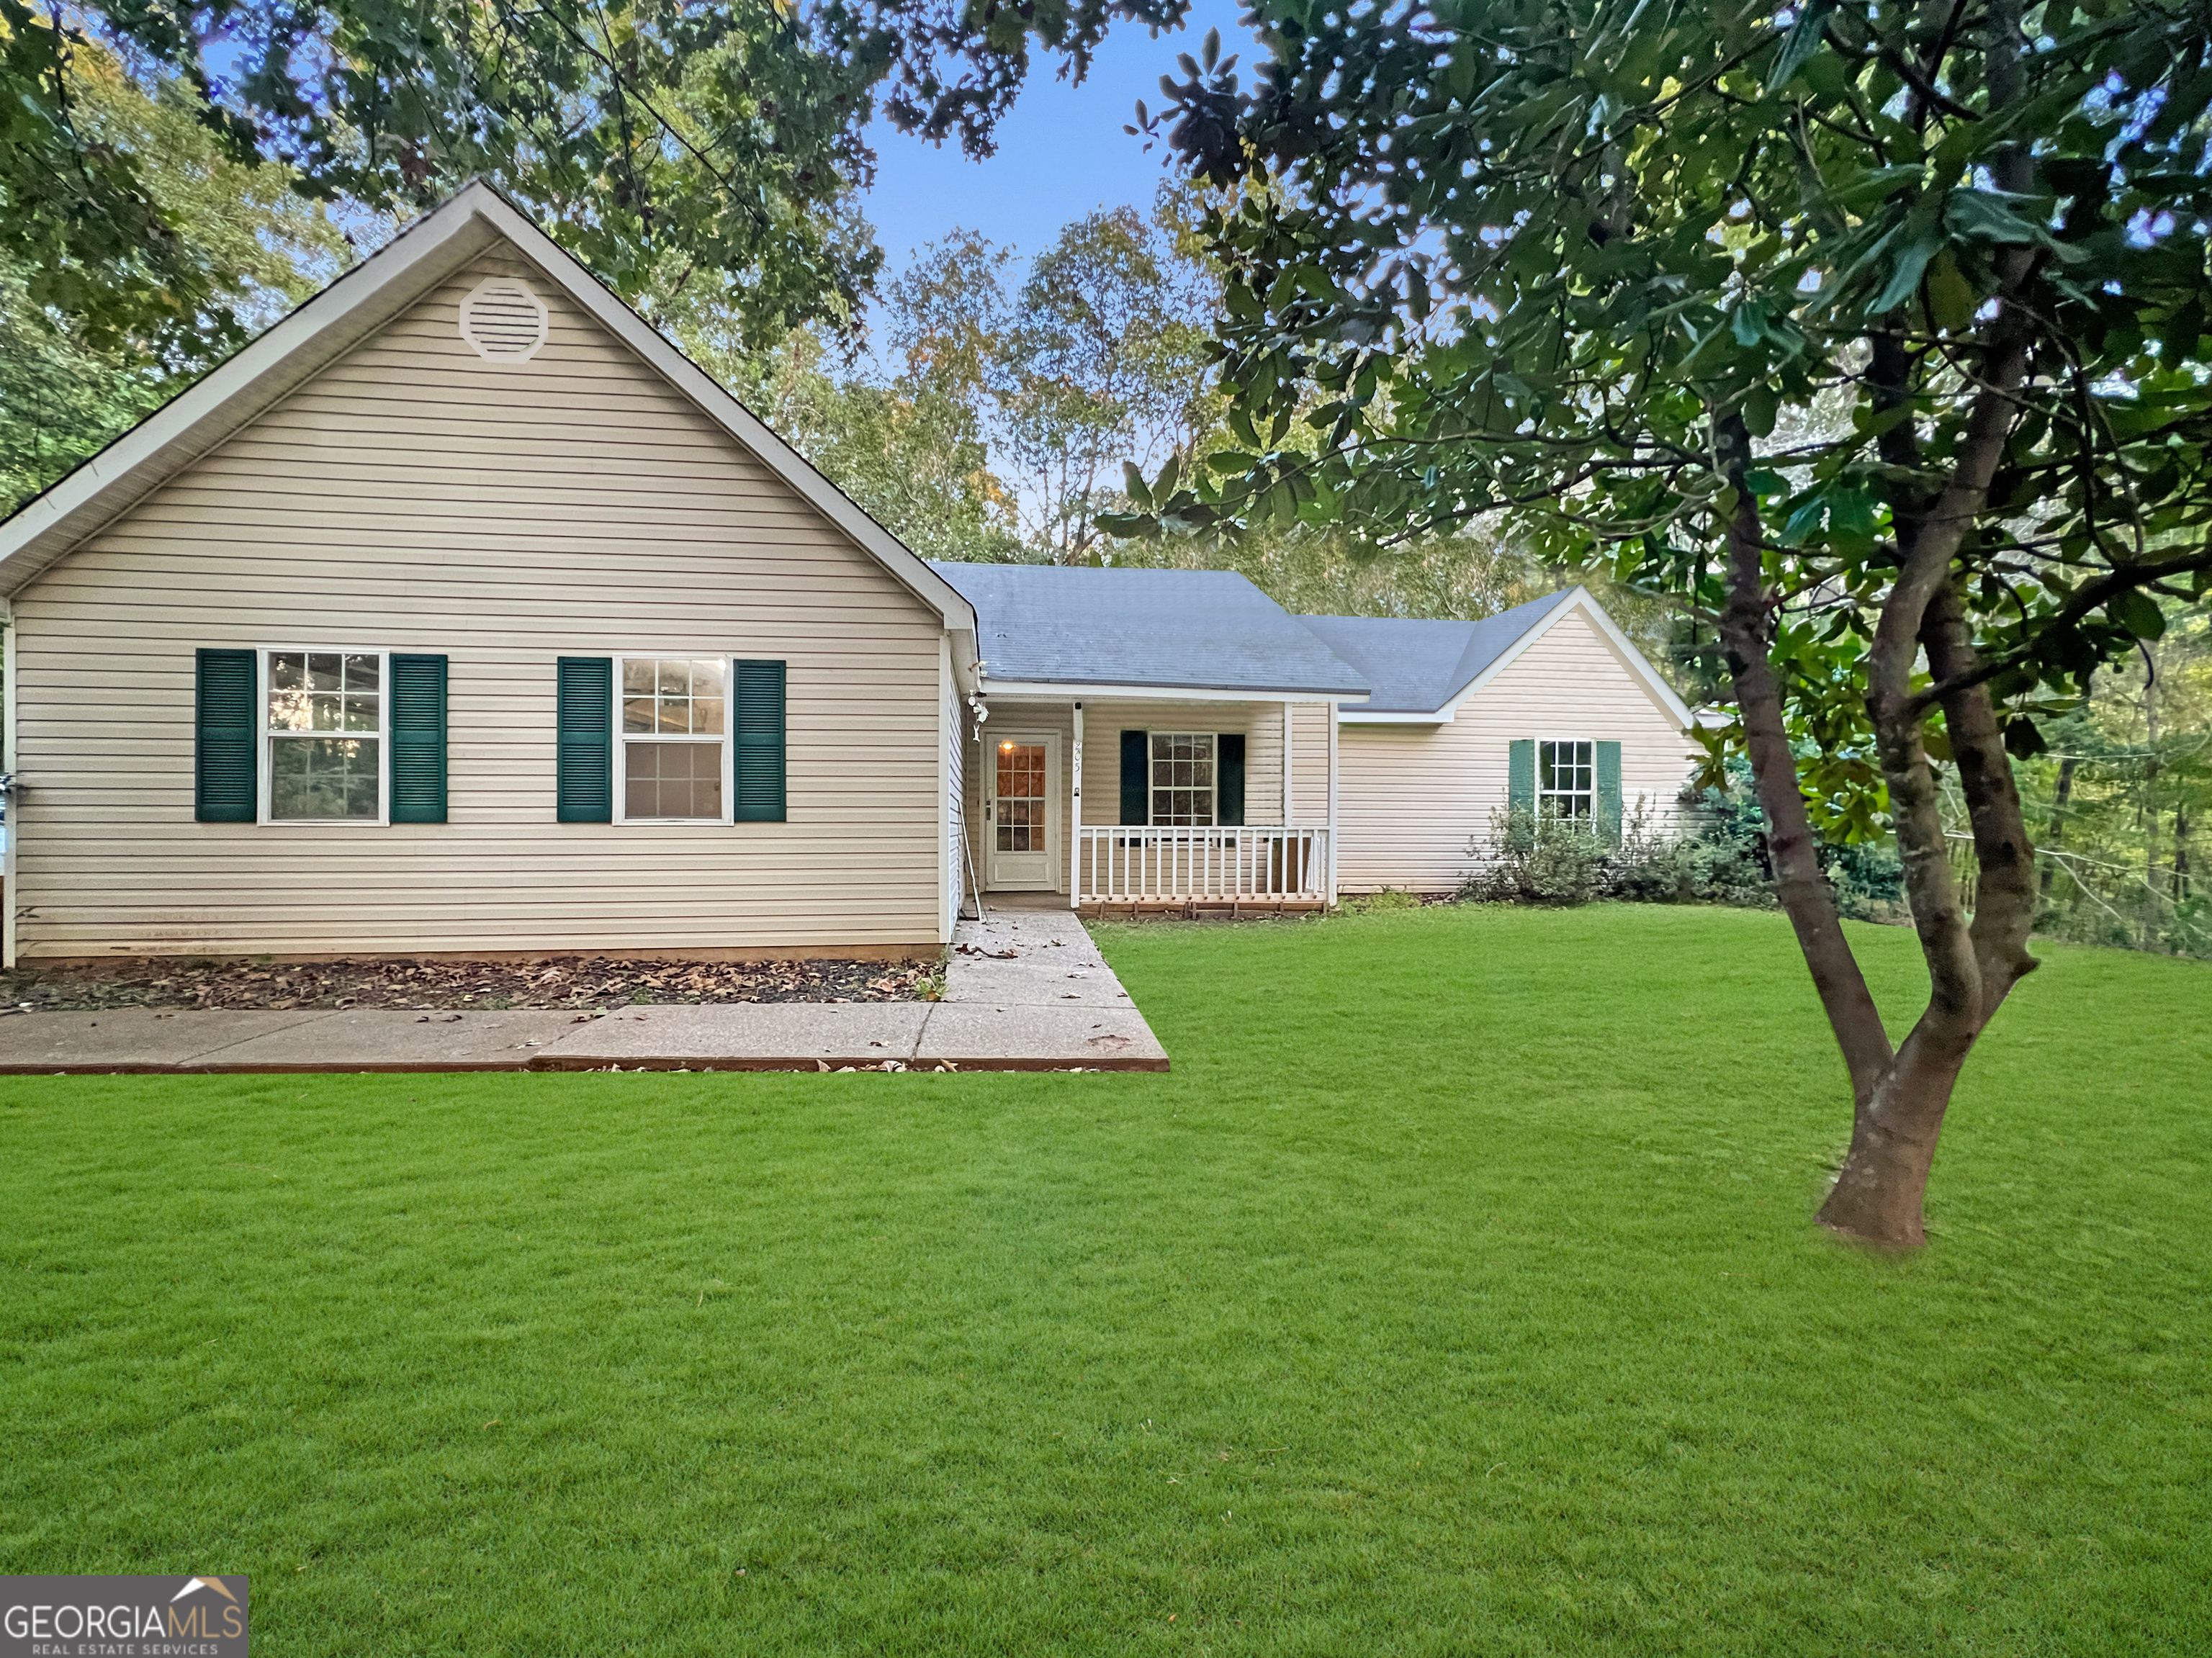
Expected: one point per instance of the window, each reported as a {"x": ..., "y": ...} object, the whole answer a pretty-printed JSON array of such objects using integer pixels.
[
  {"x": 1019, "y": 805},
  {"x": 1183, "y": 777},
  {"x": 323, "y": 721},
  {"x": 674, "y": 760},
  {"x": 1566, "y": 780}
]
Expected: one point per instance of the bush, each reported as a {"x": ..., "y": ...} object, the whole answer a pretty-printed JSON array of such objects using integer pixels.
[
  {"x": 1716, "y": 854},
  {"x": 1529, "y": 862}
]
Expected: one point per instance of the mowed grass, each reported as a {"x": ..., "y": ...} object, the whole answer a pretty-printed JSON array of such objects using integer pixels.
[{"x": 1456, "y": 1293}]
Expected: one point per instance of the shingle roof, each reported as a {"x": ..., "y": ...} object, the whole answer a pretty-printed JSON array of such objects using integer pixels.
[
  {"x": 1163, "y": 629},
  {"x": 1417, "y": 667}
]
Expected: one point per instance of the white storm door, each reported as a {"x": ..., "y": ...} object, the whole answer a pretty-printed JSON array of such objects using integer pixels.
[{"x": 1021, "y": 811}]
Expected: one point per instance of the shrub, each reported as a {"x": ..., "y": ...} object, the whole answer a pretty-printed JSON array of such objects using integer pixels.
[
  {"x": 1530, "y": 862},
  {"x": 1714, "y": 854}
]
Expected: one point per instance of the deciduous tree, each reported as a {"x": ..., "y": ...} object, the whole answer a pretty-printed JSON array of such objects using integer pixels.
[{"x": 1876, "y": 332}]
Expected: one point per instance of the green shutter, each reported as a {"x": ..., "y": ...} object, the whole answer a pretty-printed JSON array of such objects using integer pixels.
[
  {"x": 584, "y": 717},
  {"x": 418, "y": 739},
  {"x": 1521, "y": 775},
  {"x": 1608, "y": 789},
  {"x": 760, "y": 757},
  {"x": 224, "y": 787},
  {"x": 1136, "y": 780},
  {"x": 1229, "y": 785}
]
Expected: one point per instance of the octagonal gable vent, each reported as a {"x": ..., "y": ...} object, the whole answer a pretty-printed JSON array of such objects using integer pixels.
[{"x": 504, "y": 321}]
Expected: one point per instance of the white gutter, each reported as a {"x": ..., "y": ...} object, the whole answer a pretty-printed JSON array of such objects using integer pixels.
[{"x": 1055, "y": 691}]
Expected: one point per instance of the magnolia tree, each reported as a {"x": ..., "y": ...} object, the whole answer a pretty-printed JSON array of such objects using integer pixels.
[{"x": 1875, "y": 333}]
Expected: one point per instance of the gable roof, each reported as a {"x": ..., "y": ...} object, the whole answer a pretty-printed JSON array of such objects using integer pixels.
[
  {"x": 1423, "y": 671},
  {"x": 247, "y": 384},
  {"x": 1082, "y": 626},
  {"x": 1418, "y": 667}
]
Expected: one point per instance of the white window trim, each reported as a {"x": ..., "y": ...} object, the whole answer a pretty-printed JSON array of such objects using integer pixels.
[
  {"x": 622, "y": 739},
  {"x": 265, "y": 762},
  {"x": 1544, "y": 795},
  {"x": 1212, "y": 789}
]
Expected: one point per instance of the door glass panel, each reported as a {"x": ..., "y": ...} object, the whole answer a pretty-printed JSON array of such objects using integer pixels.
[{"x": 1021, "y": 797}]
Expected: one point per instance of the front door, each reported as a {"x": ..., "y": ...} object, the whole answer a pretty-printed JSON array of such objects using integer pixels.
[{"x": 1021, "y": 811}]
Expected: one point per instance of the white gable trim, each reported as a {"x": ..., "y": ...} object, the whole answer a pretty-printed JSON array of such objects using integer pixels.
[
  {"x": 347, "y": 311},
  {"x": 1579, "y": 599}
]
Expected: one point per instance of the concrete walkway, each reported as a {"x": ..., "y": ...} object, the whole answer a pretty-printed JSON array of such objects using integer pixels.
[{"x": 1025, "y": 990}]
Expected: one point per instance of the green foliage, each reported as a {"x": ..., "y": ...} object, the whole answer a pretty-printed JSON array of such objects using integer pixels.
[
  {"x": 679, "y": 149},
  {"x": 1435, "y": 1303},
  {"x": 1531, "y": 860},
  {"x": 2121, "y": 799},
  {"x": 1716, "y": 854},
  {"x": 1600, "y": 267},
  {"x": 909, "y": 448},
  {"x": 68, "y": 386}
]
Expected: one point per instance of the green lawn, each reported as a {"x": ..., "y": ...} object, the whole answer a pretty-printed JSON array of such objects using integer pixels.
[{"x": 1456, "y": 1293}]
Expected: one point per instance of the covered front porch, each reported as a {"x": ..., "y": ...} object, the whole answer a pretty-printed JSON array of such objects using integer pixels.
[{"x": 1113, "y": 806}]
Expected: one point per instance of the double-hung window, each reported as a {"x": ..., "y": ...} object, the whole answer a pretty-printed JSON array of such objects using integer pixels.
[
  {"x": 1183, "y": 777},
  {"x": 322, "y": 729},
  {"x": 1566, "y": 781},
  {"x": 673, "y": 750}
]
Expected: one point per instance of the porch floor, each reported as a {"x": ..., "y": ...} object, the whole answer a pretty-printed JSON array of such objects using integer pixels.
[{"x": 1025, "y": 990}]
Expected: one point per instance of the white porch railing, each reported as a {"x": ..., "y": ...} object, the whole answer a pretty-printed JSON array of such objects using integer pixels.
[{"x": 1122, "y": 865}]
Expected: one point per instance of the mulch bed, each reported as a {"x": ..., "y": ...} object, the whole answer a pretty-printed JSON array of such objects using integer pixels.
[{"x": 558, "y": 982}]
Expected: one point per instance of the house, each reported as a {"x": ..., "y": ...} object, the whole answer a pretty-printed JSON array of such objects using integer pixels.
[
  {"x": 1546, "y": 706},
  {"x": 1156, "y": 736},
  {"x": 1151, "y": 737},
  {"x": 460, "y": 614}
]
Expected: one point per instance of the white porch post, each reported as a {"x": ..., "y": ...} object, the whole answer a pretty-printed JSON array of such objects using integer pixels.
[
  {"x": 1332, "y": 711},
  {"x": 1075, "y": 816},
  {"x": 1289, "y": 798}
]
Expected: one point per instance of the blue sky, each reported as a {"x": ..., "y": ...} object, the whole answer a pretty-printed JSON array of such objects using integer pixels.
[{"x": 1062, "y": 153}]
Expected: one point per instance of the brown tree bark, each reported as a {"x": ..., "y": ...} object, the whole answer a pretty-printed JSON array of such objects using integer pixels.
[{"x": 1746, "y": 628}]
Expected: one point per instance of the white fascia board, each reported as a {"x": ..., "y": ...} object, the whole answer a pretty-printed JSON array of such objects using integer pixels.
[
  {"x": 229, "y": 397},
  {"x": 347, "y": 311},
  {"x": 1362, "y": 717},
  {"x": 1057, "y": 691}
]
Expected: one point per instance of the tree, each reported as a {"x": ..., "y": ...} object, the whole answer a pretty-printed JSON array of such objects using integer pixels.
[
  {"x": 909, "y": 450},
  {"x": 1002, "y": 432},
  {"x": 1599, "y": 266},
  {"x": 1099, "y": 366},
  {"x": 687, "y": 153},
  {"x": 66, "y": 390}
]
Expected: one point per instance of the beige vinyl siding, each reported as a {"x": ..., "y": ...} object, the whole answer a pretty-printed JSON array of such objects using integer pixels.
[
  {"x": 953, "y": 792},
  {"x": 1412, "y": 796},
  {"x": 416, "y": 498},
  {"x": 1309, "y": 763}
]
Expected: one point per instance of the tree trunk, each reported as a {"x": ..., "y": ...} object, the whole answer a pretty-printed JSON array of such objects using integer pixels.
[
  {"x": 1747, "y": 631},
  {"x": 2061, "y": 797},
  {"x": 2150, "y": 815},
  {"x": 1879, "y": 1192}
]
